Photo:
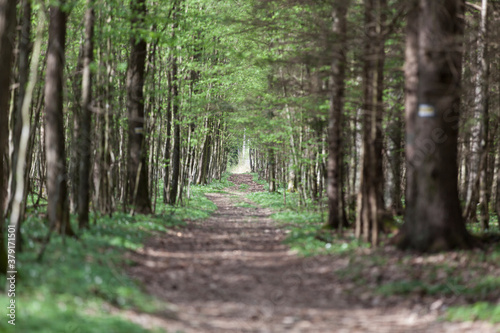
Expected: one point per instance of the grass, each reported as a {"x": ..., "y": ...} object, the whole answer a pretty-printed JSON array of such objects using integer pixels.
[
  {"x": 477, "y": 311},
  {"x": 81, "y": 285},
  {"x": 244, "y": 187},
  {"x": 244, "y": 205},
  {"x": 78, "y": 282},
  {"x": 304, "y": 225},
  {"x": 463, "y": 274}
]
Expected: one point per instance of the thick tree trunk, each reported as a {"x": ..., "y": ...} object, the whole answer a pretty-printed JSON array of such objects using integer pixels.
[
  {"x": 85, "y": 123},
  {"x": 337, "y": 78},
  {"x": 138, "y": 171},
  {"x": 57, "y": 188},
  {"x": 433, "y": 220}
]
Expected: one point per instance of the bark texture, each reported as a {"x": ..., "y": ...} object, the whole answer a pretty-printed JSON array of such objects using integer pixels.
[
  {"x": 137, "y": 167},
  {"x": 337, "y": 82},
  {"x": 7, "y": 20},
  {"x": 85, "y": 123},
  {"x": 57, "y": 188},
  {"x": 433, "y": 220}
]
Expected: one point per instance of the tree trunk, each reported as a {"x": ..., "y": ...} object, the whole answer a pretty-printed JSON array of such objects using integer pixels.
[
  {"x": 57, "y": 188},
  {"x": 337, "y": 83},
  {"x": 433, "y": 220},
  {"x": 85, "y": 123},
  {"x": 370, "y": 197},
  {"x": 138, "y": 171},
  {"x": 23, "y": 68},
  {"x": 479, "y": 131},
  {"x": 166, "y": 178},
  {"x": 7, "y": 23},
  {"x": 176, "y": 151}
]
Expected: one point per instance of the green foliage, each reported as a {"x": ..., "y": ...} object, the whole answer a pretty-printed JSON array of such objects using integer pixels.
[
  {"x": 85, "y": 277},
  {"x": 198, "y": 206},
  {"x": 477, "y": 311},
  {"x": 406, "y": 287},
  {"x": 256, "y": 179},
  {"x": 304, "y": 225},
  {"x": 244, "y": 204},
  {"x": 244, "y": 187}
]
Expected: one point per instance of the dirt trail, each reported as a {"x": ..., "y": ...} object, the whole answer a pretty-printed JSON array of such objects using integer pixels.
[{"x": 231, "y": 273}]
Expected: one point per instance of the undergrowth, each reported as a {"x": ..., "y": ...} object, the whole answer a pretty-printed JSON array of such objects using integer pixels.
[
  {"x": 304, "y": 224},
  {"x": 80, "y": 286},
  {"x": 306, "y": 235}
]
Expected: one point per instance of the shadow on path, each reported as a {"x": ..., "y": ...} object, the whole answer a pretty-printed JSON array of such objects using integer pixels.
[{"x": 231, "y": 273}]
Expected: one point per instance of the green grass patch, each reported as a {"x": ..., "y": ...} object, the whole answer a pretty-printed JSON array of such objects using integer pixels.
[
  {"x": 245, "y": 205},
  {"x": 72, "y": 289},
  {"x": 406, "y": 287},
  {"x": 244, "y": 187},
  {"x": 304, "y": 225},
  {"x": 79, "y": 282},
  {"x": 197, "y": 206},
  {"x": 256, "y": 179},
  {"x": 477, "y": 311}
]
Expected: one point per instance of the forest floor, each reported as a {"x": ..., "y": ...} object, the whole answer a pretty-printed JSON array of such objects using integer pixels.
[{"x": 231, "y": 272}]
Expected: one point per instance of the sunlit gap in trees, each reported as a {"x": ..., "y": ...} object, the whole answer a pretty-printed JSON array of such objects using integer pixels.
[{"x": 243, "y": 165}]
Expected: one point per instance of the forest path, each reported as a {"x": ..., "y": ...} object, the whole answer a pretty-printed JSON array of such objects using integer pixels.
[{"x": 232, "y": 273}]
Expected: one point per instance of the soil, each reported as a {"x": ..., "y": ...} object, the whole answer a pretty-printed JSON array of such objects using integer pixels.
[{"x": 232, "y": 273}]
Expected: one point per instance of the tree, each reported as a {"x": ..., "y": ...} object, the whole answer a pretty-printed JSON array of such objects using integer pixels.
[
  {"x": 176, "y": 152},
  {"x": 476, "y": 189},
  {"x": 86, "y": 104},
  {"x": 57, "y": 188},
  {"x": 433, "y": 219},
  {"x": 370, "y": 197},
  {"x": 337, "y": 89},
  {"x": 137, "y": 167},
  {"x": 7, "y": 21}
]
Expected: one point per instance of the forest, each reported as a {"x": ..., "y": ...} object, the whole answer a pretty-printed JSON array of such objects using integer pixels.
[{"x": 250, "y": 166}]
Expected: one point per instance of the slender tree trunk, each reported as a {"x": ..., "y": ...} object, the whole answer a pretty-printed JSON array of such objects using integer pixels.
[
  {"x": 479, "y": 132},
  {"x": 57, "y": 188},
  {"x": 370, "y": 197},
  {"x": 337, "y": 82},
  {"x": 23, "y": 68},
  {"x": 433, "y": 220},
  {"x": 85, "y": 123},
  {"x": 176, "y": 151},
  {"x": 138, "y": 170},
  {"x": 7, "y": 23},
  {"x": 205, "y": 155},
  {"x": 166, "y": 178},
  {"x": 482, "y": 107}
]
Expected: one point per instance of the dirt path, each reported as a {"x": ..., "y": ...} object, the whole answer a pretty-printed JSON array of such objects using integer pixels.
[{"x": 231, "y": 273}]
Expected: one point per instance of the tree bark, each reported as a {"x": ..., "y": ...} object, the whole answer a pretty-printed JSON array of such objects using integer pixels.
[
  {"x": 57, "y": 188},
  {"x": 176, "y": 149},
  {"x": 7, "y": 23},
  {"x": 85, "y": 123},
  {"x": 370, "y": 197},
  {"x": 433, "y": 220},
  {"x": 23, "y": 68},
  {"x": 337, "y": 82},
  {"x": 479, "y": 131},
  {"x": 138, "y": 171}
]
